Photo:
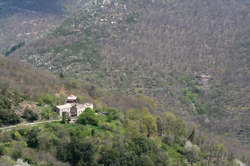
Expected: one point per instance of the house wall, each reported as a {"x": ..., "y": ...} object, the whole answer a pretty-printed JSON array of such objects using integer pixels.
[
  {"x": 61, "y": 111},
  {"x": 74, "y": 110}
]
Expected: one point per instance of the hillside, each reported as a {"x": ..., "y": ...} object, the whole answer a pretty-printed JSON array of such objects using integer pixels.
[
  {"x": 130, "y": 135},
  {"x": 24, "y": 21},
  {"x": 25, "y": 87},
  {"x": 117, "y": 138},
  {"x": 191, "y": 56}
]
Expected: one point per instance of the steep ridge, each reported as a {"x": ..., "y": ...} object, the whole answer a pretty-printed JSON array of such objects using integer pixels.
[
  {"x": 191, "y": 56},
  {"x": 23, "y": 21}
]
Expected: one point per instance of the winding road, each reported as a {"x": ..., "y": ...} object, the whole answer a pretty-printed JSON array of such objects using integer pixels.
[{"x": 28, "y": 124}]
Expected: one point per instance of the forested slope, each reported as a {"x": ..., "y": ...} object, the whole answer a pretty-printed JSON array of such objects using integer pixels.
[
  {"x": 134, "y": 134},
  {"x": 191, "y": 56},
  {"x": 24, "y": 21},
  {"x": 133, "y": 138}
]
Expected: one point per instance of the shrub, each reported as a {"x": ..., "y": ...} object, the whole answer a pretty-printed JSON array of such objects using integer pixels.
[
  {"x": 78, "y": 152},
  {"x": 146, "y": 161},
  {"x": 112, "y": 113},
  {"x": 189, "y": 96},
  {"x": 191, "y": 151},
  {"x": 30, "y": 115},
  {"x": 48, "y": 113},
  {"x": 4, "y": 103},
  {"x": 49, "y": 100},
  {"x": 109, "y": 157},
  {"x": 2, "y": 150},
  {"x": 142, "y": 145},
  {"x": 72, "y": 84},
  {"x": 8, "y": 117},
  {"x": 32, "y": 138},
  {"x": 88, "y": 117}
]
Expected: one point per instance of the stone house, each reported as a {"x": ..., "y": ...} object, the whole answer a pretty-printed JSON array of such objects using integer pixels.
[
  {"x": 64, "y": 109},
  {"x": 72, "y": 108}
]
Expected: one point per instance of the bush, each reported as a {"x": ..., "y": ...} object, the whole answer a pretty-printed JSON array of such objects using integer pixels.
[
  {"x": 49, "y": 100},
  {"x": 77, "y": 152},
  {"x": 112, "y": 113},
  {"x": 72, "y": 84},
  {"x": 190, "y": 97},
  {"x": 191, "y": 151},
  {"x": 8, "y": 117},
  {"x": 32, "y": 138},
  {"x": 141, "y": 145},
  {"x": 2, "y": 150},
  {"x": 88, "y": 117},
  {"x": 146, "y": 161},
  {"x": 109, "y": 157},
  {"x": 48, "y": 113},
  {"x": 4, "y": 103},
  {"x": 30, "y": 115}
]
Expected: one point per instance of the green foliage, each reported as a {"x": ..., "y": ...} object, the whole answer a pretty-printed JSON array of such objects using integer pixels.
[
  {"x": 32, "y": 138},
  {"x": 192, "y": 98},
  {"x": 46, "y": 99},
  {"x": 186, "y": 80},
  {"x": 145, "y": 160},
  {"x": 88, "y": 117},
  {"x": 189, "y": 96},
  {"x": 112, "y": 113},
  {"x": 2, "y": 150},
  {"x": 8, "y": 117},
  {"x": 4, "y": 103},
  {"x": 192, "y": 152},
  {"x": 141, "y": 145},
  {"x": 63, "y": 119},
  {"x": 108, "y": 157},
  {"x": 192, "y": 135},
  {"x": 201, "y": 108},
  {"x": 116, "y": 144},
  {"x": 48, "y": 113},
  {"x": 16, "y": 135},
  {"x": 147, "y": 101},
  {"x": 16, "y": 154},
  {"x": 171, "y": 127},
  {"x": 72, "y": 84},
  {"x": 49, "y": 100},
  {"x": 78, "y": 152},
  {"x": 14, "y": 48},
  {"x": 173, "y": 153},
  {"x": 141, "y": 121},
  {"x": 30, "y": 115}
]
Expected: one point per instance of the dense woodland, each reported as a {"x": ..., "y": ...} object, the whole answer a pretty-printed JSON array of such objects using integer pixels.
[{"x": 132, "y": 138}]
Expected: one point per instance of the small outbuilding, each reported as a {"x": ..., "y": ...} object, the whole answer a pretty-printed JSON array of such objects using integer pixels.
[{"x": 71, "y": 99}]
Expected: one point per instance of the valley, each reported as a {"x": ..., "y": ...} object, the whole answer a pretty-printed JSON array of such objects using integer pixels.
[{"x": 191, "y": 57}]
